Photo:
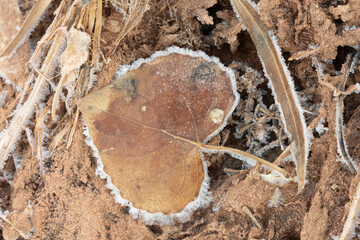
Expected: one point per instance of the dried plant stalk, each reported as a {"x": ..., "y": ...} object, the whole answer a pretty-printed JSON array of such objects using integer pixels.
[
  {"x": 339, "y": 122},
  {"x": 35, "y": 14},
  {"x": 303, "y": 54},
  {"x": 352, "y": 216},
  {"x": 281, "y": 83},
  {"x": 20, "y": 233},
  {"x": 252, "y": 217},
  {"x": 21, "y": 116}
]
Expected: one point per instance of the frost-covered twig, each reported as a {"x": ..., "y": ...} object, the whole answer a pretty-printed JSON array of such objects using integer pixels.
[
  {"x": 340, "y": 93},
  {"x": 339, "y": 122},
  {"x": 312, "y": 50}
]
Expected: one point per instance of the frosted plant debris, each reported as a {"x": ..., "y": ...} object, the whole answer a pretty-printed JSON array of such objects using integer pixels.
[
  {"x": 75, "y": 54},
  {"x": 30, "y": 22},
  {"x": 12, "y": 67},
  {"x": 281, "y": 84},
  {"x": 320, "y": 128},
  {"x": 204, "y": 197},
  {"x": 342, "y": 149},
  {"x": 275, "y": 199},
  {"x": 275, "y": 178},
  {"x": 3, "y": 95},
  {"x": 23, "y": 112},
  {"x": 353, "y": 216},
  {"x": 87, "y": 106},
  {"x": 256, "y": 122}
]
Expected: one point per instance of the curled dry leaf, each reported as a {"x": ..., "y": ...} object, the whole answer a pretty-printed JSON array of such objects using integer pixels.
[
  {"x": 151, "y": 125},
  {"x": 132, "y": 120},
  {"x": 281, "y": 83},
  {"x": 75, "y": 54}
]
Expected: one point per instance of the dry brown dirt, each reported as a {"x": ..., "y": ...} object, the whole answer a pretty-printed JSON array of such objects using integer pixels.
[{"x": 71, "y": 202}]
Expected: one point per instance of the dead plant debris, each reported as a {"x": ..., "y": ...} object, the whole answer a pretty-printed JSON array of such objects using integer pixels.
[{"x": 45, "y": 161}]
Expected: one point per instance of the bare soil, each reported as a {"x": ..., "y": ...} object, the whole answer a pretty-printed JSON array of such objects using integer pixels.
[{"x": 71, "y": 202}]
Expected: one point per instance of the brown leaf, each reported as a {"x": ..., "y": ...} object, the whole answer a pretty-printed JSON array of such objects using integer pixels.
[{"x": 139, "y": 123}]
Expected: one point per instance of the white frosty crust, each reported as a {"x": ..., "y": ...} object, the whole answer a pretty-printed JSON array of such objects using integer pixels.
[{"x": 204, "y": 197}]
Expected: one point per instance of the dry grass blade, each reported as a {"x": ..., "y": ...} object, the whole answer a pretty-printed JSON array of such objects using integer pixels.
[
  {"x": 59, "y": 137},
  {"x": 339, "y": 124},
  {"x": 281, "y": 82},
  {"x": 19, "y": 232},
  {"x": 35, "y": 14},
  {"x": 354, "y": 211}
]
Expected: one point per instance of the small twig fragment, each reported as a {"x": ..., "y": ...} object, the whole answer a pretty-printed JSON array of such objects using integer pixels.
[
  {"x": 3, "y": 95},
  {"x": 252, "y": 217},
  {"x": 59, "y": 137},
  {"x": 303, "y": 54},
  {"x": 275, "y": 198}
]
